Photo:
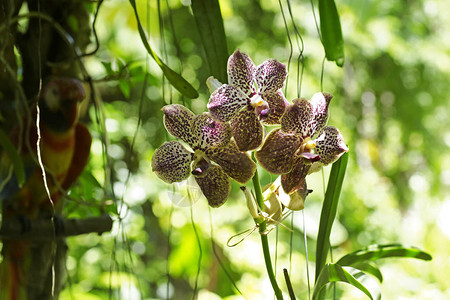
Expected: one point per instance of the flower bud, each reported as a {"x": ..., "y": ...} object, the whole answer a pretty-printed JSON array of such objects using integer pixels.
[
  {"x": 252, "y": 206},
  {"x": 213, "y": 84},
  {"x": 272, "y": 205},
  {"x": 295, "y": 200}
]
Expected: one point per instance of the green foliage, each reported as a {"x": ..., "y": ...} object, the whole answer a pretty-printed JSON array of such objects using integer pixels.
[
  {"x": 334, "y": 273},
  {"x": 174, "y": 78},
  {"x": 375, "y": 252},
  {"x": 14, "y": 157},
  {"x": 328, "y": 213},
  {"x": 369, "y": 268},
  {"x": 210, "y": 26},
  {"x": 331, "y": 32}
]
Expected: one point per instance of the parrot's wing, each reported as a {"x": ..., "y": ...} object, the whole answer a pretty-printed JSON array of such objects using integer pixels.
[{"x": 80, "y": 157}]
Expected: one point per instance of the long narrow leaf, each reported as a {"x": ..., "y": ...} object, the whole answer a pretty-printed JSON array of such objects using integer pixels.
[
  {"x": 369, "y": 268},
  {"x": 365, "y": 280},
  {"x": 330, "y": 28},
  {"x": 332, "y": 273},
  {"x": 212, "y": 33},
  {"x": 329, "y": 209},
  {"x": 174, "y": 78},
  {"x": 375, "y": 252},
  {"x": 13, "y": 155}
]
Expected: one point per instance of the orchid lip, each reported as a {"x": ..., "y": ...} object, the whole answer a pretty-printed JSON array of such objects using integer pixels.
[
  {"x": 307, "y": 147},
  {"x": 261, "y": 106},
  {"x": 199, "y": 171},
  {"x": 200, "y": 165},
  {"x": 265, "y": 113}
]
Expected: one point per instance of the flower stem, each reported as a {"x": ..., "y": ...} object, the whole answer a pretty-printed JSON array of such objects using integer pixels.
[{"x": 264, "y": 240}]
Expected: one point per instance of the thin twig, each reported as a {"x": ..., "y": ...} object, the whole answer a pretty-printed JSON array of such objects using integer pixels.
[{"x": 94, "y": 31}]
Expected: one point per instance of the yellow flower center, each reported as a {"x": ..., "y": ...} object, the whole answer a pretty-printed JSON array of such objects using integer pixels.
[
  {"x": 200, "y": 163},
  {"x": 307, "y": 146},
  {"x": 256, "y": 101}
]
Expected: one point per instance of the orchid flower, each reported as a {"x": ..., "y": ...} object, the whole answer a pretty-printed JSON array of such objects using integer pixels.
[
  {"x": 253, "y": 94},
  {"x": 210, "y": 141},
  {"x": 303, "y": 144}
]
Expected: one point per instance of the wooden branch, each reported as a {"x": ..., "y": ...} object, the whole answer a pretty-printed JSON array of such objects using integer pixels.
[{"x": 44, "y": 229}]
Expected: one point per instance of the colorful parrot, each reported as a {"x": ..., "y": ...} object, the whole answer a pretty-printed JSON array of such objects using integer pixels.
[{"x": 64, "y": 146}]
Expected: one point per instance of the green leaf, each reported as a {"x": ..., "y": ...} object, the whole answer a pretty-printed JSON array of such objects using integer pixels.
[
  {"x": 330, "y": 28},
  {"x": 174, "y": 78},
  {"x": 212, "y": 33},
  {"x": 329, "y": 209},
  {"x": 11, "y": 151},
  {"x": 124, "y": 86},
  {"x": 334, "y": 272},
  {"x": 369, "y": 268},
  {"x": 375, "y": 252},
  {"x": 365, "y": 280},
  {"x": 88, "y": 179}
]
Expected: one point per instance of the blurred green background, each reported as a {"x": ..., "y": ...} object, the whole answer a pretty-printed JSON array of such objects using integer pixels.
[{"x": 390, "y": 103}]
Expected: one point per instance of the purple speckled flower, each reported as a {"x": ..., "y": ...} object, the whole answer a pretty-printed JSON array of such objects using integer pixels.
[
  {"x": 210, "y": 141},
  {"x": 253, "y": 94},
  {"x": 303, "y": 144}
]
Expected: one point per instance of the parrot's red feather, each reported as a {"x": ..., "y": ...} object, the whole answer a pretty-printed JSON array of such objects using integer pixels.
[{"x": 80, "y": 155}]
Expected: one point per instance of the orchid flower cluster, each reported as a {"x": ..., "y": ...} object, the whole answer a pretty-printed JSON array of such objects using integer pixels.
[{"x": 220, "y": 139}]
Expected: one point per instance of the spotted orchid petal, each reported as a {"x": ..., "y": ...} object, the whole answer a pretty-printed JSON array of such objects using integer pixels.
[
  {"x": 178, "y": 121},
  {"x": 270, "y": 76},
  {"x": 277, "y": 153},
  {"x": 226, "y": 101},
  {"x": 236, "y": 164},
  {"x": 247, "y": 130},
  {"x": 306, "y": 118},
  {"x": 277, "y": 103},
  {"x": 171, "y": 162},
  {"x": 209, "y": 132},
  {"x": 215, "y": 185},
  {"x": 240, "y": 72},
  {"x": 295, "y": 179},
  {"x": 329, "y": 146},
  {"x": 297, "y": 118},
  {"x": 319, "y": 103}
]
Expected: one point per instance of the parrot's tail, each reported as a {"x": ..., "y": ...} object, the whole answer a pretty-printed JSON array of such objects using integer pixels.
[
  {"x": 15, "y": 280},
  {"x": 12, "y": 277}
]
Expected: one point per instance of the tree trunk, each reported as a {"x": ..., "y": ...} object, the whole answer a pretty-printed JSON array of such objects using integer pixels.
[{"x": 46, "y": 46}]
